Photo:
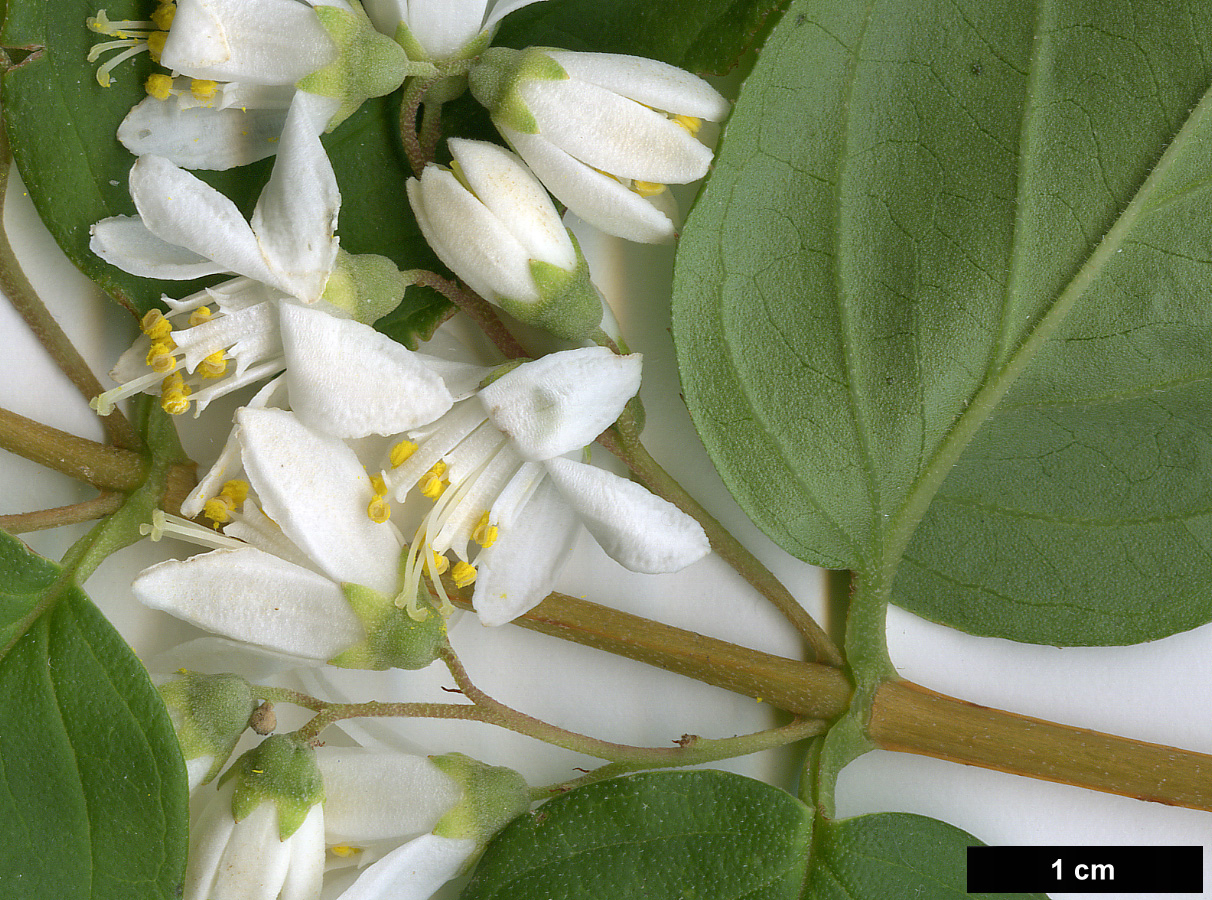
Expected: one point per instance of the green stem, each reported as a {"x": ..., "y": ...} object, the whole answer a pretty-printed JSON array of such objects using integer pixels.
[
  {"x": 21, "y": 294},
  {"x": 40, "y": 520},
  {"x": 624, "y": 443},
  {"x": 410, "y": 102},
  {"x": 106, "y": 468},
  {"x": 480, "y": 311},
  {"x": 694, "y": 750}
]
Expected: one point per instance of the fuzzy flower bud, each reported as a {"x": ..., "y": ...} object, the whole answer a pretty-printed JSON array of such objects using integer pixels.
[{"x": 209, "y": 713}]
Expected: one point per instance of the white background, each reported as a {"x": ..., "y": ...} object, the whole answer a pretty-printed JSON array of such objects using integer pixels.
[{"x": 1157, "y": 692}]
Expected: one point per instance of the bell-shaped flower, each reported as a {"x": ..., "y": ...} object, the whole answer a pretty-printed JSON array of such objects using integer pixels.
[
  {"x": 303, "y": 565},
  {"x": 441, "y": 30},
  {"x": 261, "y": 836},
  {"x": 490, "y": 220},
  {"x": 494, "y": 470},
  {"x": 604, "y": 132}
]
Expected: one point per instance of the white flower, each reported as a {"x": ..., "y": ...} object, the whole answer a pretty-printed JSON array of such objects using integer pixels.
[
  {"x": 604, "y": 132},
  {"x": 442, "y": 29},
  {"x": 492, "y": 467},
  {"x": 261, "y": 836},
  {"x": 493, "y": 224},
  {"x": 414, "y": 870}
]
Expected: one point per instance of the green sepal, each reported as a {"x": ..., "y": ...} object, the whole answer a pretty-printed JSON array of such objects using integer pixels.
[
  {"x": 368, "y": 64},
  {"x": 209, "y": 713},
  {"x": 495, "y": 78},
  {"x": 456, "y": 63},
  {"x": 569, "y": 304},
  {"x": 366, "y": 285},
  {"x": 282, "y": 770},
  {"x": 493, "y": 796},
  {"x": 394, "y": 640}
]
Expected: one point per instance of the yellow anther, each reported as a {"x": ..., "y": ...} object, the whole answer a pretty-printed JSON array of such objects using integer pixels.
[
  {"x": 174, "y": 394},
  {"x": 163, "y": 17},
  {"x": 217, "y": 510},
  {"x": 155, "y": 326},
  {"x": 440, "y": 562},
  {"x": 344, "y": 851},
  {"x": 484, "y": 534},
  {"x": 203, "y": 88},
  {"x": 463, "y": 574},
  {"x": 401, "y": 452},
  {"x": 690, "y": 123},
  {"x": 235, "y": 491},
  {"x": 647, "y": 188},
  {"x": 159, "y": 86},
  {"x": 377, "y": 484},
  {"x": 213, "y": 366},
  {"x": 200, "y": 315},
  {"x": 160, "y": 357},
  {"x": 433, "y": 482},
  {"x": 379, "y": 509},
  {"x": 155, "y": 44}
]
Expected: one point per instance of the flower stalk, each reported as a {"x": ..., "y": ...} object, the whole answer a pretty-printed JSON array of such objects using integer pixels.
[{"x": 39, "y": 520}]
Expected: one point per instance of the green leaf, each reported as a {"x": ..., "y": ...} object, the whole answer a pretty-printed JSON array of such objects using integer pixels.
[
  {"x": 700, "y": 35},
  {"x": 62, "y": 127},
  {"x": 888, "y": 855},
  {"x": 93, "y": 799},
  {"x": 704, "y": 835},
  {"x": 919, "y": 210}
]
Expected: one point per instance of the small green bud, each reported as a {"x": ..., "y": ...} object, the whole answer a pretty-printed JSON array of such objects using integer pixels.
[
  {"x": 209, "y": 713},
  {"x": 394, "y": 639},
  {"x": 495, "y": 77},
  {"x": 368, "y": 64},
  {"x": 365, "y": 285},
  {"x": 281, "y": 769},
  {"x": 569, "y": 306},
  {"x": 493, "y": 796}
]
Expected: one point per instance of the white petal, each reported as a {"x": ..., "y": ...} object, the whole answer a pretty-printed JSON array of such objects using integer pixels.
[
  {"x": 511, "y": 192},
  {"x": 562, "y": 401},
  {"x": 125, "y": 242},
  {"x": 197, "y": 768},
  {"x": 615, "y": 134},
  {"x": 184, "y": 210},
  {"x": 473, "y": 242},
  {"x": 252, "y": 596},
  {"x": 267, "y": 42},
  {"x": 208, "y": 838},
  {"x": 521, "y": 568},
  {"x": 256, "y": 860},
  {"x": 372, "y": 796},
  {"x": 314, "y": 487},
  {"x": 599, "y": 199},
  {"x": 296, "y": 216},
  {"x": 502, "y": 8},
  {"x": 648, "y": 81},
  {"x": 252, "y": 334},
  {"x": 386, "y": 15},
  {"x": 413, "y": 871},
  {"x": 200, "y": 137},
  {"x": 444, "y": 27},
  {"x": 634, "y": 526},
  {"x": 305, "y": 877},
  {"x": 461, "y": 379},
  {"x": 348, "y": 380}
]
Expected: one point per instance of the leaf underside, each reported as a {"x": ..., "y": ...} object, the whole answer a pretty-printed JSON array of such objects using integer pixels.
[
  {"x": 930, "y": 221},
  {"x": 92, "y": 787}
]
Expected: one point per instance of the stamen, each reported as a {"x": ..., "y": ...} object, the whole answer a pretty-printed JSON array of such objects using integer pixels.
[
  {"x": 236, "y": 491},
  {"x": 160, "y": 358},
  {"x": 344, "y": 851},
  {"x": 175, "y": 526},
  {"x": 463, "y": 574},
  {"x": 648, "y": 188},
  {"x": 155, "y": 44},
  {"x": 104, "y": 403},
  {"x": 103, "y": 77},
  {"x": 200, "y": 315},
  {"x": 213, "y": 366},
  {"x": 690, "y": 123},
  {"x": 484, "y": 534},
  {"x": 217, "y": 510},
  {"x": 379, "y": 510},
  {"x": 440, "y": 562},
  {"x": 163, "y": 17},
  {"x": 445, "y": 608},
  {"x": 174, "y": 394},
  {"x": 377, "y": 484},
  {"x": 159, "y": 86},
  {"x": 433, "y": 482},
  {"x": 155, "y": 325},
  {"x": 203, "y": 88},
  {"x": 402, "y": 452}
]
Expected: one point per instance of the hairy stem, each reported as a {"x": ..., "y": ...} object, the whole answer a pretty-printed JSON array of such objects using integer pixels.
[
  {"x": 86, "y": 511},
  {"x": 914, "y": 719},
  {"x": 624, "y": 443},
  {"x": 410, "y": 102},
  {"x": 106, "y": 468},
  {"x": 478, "y": 309}
]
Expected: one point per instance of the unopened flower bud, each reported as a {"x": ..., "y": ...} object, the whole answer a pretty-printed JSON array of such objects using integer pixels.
[
  {"x": 493, "y": 796},
  {"x": 281, "y": 770},
  {"x": 209, "y": 713}
]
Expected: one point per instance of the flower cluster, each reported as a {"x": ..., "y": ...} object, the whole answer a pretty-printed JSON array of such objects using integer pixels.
[{"x": 367, "y": 487}]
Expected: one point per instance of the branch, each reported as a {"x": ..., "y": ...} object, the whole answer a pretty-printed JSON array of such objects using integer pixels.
[{"x": 40, "y": 520}]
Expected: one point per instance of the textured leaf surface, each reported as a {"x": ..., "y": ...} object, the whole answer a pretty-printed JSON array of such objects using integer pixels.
[
  {"x": 705, "y": 36},
  {"x": 92, "y": 787},
  {"x": 920, "y": 210},
  {"x": 707, "y": 835},
  {"x": 890, "y": 855}
]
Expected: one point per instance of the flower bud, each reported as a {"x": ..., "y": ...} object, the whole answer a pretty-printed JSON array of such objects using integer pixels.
[
  {"x": 365, "y": 285},
  {"x": 492, "y": 223},
  {"x": 493, "y": 796},
  {"x": 605, "y": 133},
  {"x": 281, "y": 770},
  {"x": 209, "y": 713}
]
